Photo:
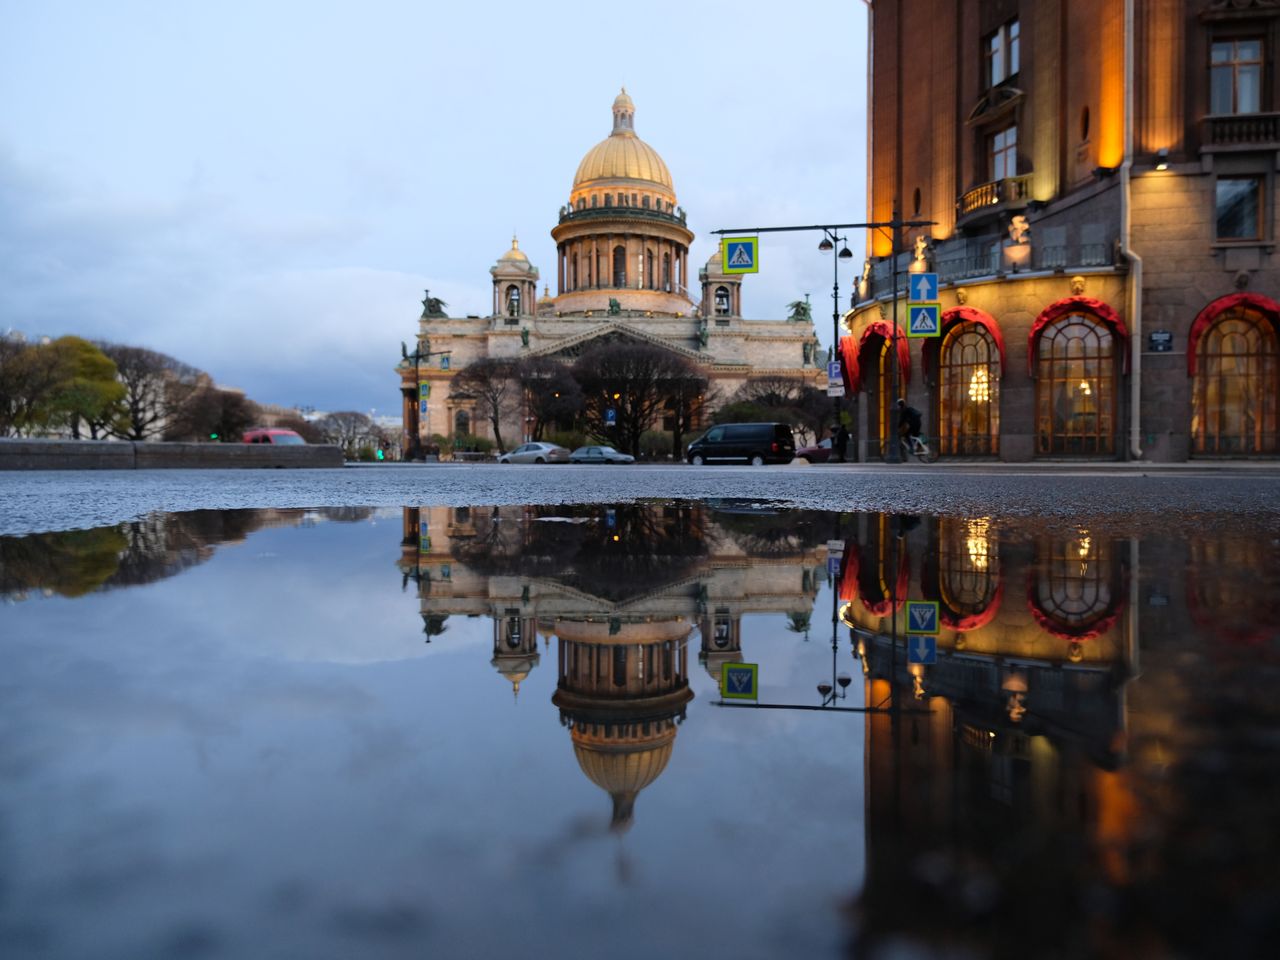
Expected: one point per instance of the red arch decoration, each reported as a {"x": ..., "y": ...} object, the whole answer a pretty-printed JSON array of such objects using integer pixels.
[
  {"x": 1090, "y": 631},
  {"x": 932, "y": 346},
  {"x": 1209, "y": 315},
  {"x": 1058, "y": 310},
  {"x": 850, "y": 347}
]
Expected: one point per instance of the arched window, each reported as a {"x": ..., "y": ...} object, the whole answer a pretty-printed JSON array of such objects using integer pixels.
[
  {"x": 619, "y": 266},
  {"x": 666, "y": 272},
  {"x": 594, "y": 198},
  {"x": 1075, "y": 386},
  {"x": 1233, "y": 406},
  {"x": 573, "y": 271},
  {"x": 722, "y": 301},
  {"x": 1075, "y": 591},
  {"x": 461, "y": 424},
  {"x": 644, "y": 202},
  {"x": 650, "y": 280},
  {"x": 608, "y": 199},
  {"x": 969, "y": 391},
  {"x": 968, "y": 571},
  {"x": 513, "y": 301}
]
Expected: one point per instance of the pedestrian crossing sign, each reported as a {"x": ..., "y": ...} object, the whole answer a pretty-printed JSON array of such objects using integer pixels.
[
  {"x": 922, "y": 320},
  {"x": 739, "y": 681},
  {"x": 740, "y": 254}
]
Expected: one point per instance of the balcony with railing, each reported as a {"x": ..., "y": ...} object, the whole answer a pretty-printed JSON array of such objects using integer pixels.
[
  {"x": 1240, "y": 131},
  {"x": 990, "y": 199}
]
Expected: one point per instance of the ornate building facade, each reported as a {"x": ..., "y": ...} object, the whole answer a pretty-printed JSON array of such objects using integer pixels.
[
  {"x": 1100, "y": 179},
  {"x": 622, "y": 275}
]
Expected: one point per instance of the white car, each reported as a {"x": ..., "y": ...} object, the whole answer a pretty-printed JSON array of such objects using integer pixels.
[
  {"x": 536, "y": 453},
  {"x": 600, "y": 455}
]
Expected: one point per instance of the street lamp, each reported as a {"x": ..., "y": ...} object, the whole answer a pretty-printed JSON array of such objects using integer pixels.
[{"x": 829, "y": 240}]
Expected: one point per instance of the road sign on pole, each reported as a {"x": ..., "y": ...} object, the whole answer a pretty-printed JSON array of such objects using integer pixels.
[
  {"x": 922, "y": 650},
  {"x": 740, "y": 254},
  {"x": 922, "y": 320},
  {"x": 923, "y": 288},
  {"x": 922, "y": 616},
  {"x": 834, "y": 375},
  {"x": 611, "y": 417},
  {"x": 740, "y": 681}
]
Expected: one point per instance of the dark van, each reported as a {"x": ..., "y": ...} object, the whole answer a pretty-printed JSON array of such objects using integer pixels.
[{"x": 754, "y": 443}]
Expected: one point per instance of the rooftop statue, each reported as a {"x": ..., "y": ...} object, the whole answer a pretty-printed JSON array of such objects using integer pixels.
[{"x": 433, "y": 306}]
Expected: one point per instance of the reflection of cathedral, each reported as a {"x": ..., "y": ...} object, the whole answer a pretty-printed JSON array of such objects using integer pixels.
[
  {"x": 620, "y": 590},
  {"x": 622, "y": 277}
]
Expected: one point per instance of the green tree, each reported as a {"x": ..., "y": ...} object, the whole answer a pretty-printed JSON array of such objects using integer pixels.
[
  {"x": 89, "y": 393},
  {"x": 30, "y": 377}
]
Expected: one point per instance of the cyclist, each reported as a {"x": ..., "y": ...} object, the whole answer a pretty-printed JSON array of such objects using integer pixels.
[{"x": 910, "y": 423}]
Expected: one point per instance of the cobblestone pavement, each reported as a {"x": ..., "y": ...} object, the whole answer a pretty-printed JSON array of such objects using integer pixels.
[{"x": 1145, "y": 495}]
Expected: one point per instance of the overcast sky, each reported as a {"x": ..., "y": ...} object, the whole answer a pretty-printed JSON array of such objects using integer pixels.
[{"x": 264, "y": 189}]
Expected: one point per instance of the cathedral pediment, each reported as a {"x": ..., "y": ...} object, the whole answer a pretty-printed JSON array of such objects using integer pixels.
[{"x": 612, "y": 333}]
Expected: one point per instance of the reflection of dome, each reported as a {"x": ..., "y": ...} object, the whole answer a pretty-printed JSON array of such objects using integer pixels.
[
  {"x": 622, "y": 155},
  {"x": 515, "y": 669},
  {"x": 623, "y": 765}
]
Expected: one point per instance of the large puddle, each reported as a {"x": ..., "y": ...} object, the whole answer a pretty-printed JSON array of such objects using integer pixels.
[{"x": 445, "y": 731}]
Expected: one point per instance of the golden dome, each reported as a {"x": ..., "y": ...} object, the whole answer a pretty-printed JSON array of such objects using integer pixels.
[
  {"x": 514, "y": 254},
  {"x": 623, "y": 155}
]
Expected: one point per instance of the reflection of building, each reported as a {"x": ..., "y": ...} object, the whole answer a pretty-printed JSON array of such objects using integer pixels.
[
  {"x": 622, "y": 277},
  {"x": 1014, "y": 778},
  {"x": 1104, "y": 242},
  {"x": 620, "y": 590}
]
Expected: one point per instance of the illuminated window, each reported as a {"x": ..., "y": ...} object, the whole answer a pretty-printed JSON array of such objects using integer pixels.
[
  {"x": 1003, "y": 53},
  {"x": 1075, "y": 387},
  {"x": 1004, "y": 153},
  {"x": 1235, "y": 76},
  {"x": 1238, "y": 206},
  {"x": 969, "y": 391},
  {"x": 1234, "y": 396}
]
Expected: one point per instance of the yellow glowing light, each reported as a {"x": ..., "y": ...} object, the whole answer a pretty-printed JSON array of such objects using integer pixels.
[
  {"x": 1085, "y": 388},
  {"x": 615, "y": 538},
  {"x": 980, "y": 386},
  {"x": 978, "y": 542}
]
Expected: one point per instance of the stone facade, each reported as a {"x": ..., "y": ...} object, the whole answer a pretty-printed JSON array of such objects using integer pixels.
[
  {"x": 1063, "y": 189},
  {"x": 622, "y": 275}
]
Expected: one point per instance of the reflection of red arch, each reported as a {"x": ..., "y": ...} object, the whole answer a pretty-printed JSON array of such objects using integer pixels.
[
  {"x": 932, "y": 346},
  {"x": 1209, "y": 315},
  {"x": 849, "y": 567},
  {"x": 851, "y": 347},
  {"x": 1056, "y": 311},
  {"x": 973, "y": 621},
  {"x": 1087, "y": 631}
]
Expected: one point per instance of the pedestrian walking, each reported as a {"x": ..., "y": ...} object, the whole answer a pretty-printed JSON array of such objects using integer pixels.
[{"x": 842, "y": 443}]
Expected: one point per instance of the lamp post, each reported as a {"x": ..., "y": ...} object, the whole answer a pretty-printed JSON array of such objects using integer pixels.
[
  {"x": 829, "y": 240},
  {"x": 421, "y": 351}
]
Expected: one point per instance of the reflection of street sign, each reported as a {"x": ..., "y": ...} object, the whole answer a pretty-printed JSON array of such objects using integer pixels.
[
  {"x": 424, "y": 536},
  {"x": 835, "y": 389},
  {"x": 922, "y": 320},
  {"x": 835, "y": 546},
  {"x": 611, "y": 417},
  {"x": 739, "y": 681},
  {"x": 922, "y": 616},
  {"x": 740, "y": 255},
  {"x": 922, "y": 650},
  {"x": 833, "y": 372},
  {"x": 923, "y": 288},
  {"x": 833, "y": 566},
  {"x": 610, "y": 519}
]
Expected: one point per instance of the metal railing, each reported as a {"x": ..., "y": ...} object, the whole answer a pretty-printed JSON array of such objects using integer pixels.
[
  {"x": 1010, "y": 190},
  {"x": 615, "y": 213}
]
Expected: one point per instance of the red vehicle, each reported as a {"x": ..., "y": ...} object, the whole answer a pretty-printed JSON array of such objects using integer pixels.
[
  {"x": 276, "y": 435},
  {"x": 818, "y": 453}
]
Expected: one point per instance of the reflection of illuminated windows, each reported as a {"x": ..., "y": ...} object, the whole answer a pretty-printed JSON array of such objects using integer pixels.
[
  {"x": 514, "y": 634},
  {"x": 1076, "y": 583},
  {"x": 969, "y": 566}
]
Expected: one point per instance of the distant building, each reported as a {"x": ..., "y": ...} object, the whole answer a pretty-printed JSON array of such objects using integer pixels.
[
  {"x": 622, "y": 276},
  {"x": 1100, "y": 177}
]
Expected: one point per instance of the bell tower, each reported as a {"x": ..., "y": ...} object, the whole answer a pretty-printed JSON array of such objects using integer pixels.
[{"x": 515, "y": 285}]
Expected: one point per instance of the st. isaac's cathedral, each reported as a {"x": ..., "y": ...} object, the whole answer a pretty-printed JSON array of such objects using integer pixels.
[{"x": 622, "y": 275}]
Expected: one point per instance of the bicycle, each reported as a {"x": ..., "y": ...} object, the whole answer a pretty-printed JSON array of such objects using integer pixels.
[{"x": 917, "y": 447}]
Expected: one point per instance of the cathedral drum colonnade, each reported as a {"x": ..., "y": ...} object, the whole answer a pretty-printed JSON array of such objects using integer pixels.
[{"x": 622, "y": 277}]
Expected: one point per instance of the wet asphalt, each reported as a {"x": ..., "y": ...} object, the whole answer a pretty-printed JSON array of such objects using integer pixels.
[{"x": 1138, "y": 495}]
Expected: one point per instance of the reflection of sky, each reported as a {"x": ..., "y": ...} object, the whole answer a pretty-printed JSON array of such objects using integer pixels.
[{"x": 260, "y": 756}]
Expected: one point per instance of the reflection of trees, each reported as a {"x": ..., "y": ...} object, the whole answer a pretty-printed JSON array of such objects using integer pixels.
[
  {"x": 772, "y": 533},
  {"x": 609, "y": 552},
  {"x": 75, "y": 562}
]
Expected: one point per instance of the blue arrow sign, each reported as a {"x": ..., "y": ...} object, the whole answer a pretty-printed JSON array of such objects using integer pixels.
[
  {"x": 923, "y": 288},
  {"x": 922, "y": 650}
]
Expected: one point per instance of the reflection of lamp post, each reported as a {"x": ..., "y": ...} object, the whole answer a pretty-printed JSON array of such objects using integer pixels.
[{"x": 421, "y": 352}]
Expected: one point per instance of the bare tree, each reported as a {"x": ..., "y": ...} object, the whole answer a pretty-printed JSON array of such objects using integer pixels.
[
  {"x": 156, "y": 388},
  {"x": 633, "y": 380},
  {"x": 551, "y": 393},
  {"x": 347, "y": 429},
  {"x": 493, "y": 383},
  {"x": 213, "y": 413},
  {"x": 689, "y": 398}
]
